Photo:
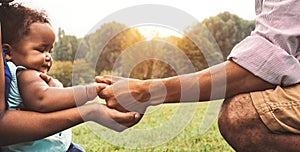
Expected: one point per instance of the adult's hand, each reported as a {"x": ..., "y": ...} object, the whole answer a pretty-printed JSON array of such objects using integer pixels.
[
  {"x": 124, "y": 94},
  {"x": 110, "y": 118}
]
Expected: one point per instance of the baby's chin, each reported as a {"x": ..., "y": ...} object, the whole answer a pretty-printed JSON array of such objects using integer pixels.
[{"x": 45, "y": 71}]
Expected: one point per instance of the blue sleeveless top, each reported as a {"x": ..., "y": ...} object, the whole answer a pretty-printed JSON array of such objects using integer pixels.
[{"x": 7, "y": 77}]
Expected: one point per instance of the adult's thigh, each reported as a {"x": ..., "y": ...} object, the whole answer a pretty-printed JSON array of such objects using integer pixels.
[{"x": 243, "y": 129}]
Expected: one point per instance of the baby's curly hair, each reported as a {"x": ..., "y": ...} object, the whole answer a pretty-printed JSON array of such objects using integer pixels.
[{"x": 16, "y": 20}]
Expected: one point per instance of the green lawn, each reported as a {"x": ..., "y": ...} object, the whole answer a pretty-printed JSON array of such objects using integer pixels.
[{"x": 164, "y": 128}]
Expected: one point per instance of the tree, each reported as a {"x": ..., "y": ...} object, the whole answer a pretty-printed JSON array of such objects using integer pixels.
[
  {"x": 62, "y": 70},
  {"x": 228, "y": 29},
  {"x": 72, "y": 73},
  {"x": 209, "y": 42},
  {"x": 192, "y": 51},
  {"x": 107, "y": 43},
  {"x": 157, "y": 58},
  {"x": 65, "y": 48},
  {"x": 82, "y": 73}
]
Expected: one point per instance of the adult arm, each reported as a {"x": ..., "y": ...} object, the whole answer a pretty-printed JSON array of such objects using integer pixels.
[
  {"x": 2, "y": 82},
  {"x": 218, "y": 82},
  {"x": 21, "y": 126},
  {"x": 221, "y": 81}
]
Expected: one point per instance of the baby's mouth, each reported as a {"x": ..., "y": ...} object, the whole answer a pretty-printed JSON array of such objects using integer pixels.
[{"x": 46, "y": 67}]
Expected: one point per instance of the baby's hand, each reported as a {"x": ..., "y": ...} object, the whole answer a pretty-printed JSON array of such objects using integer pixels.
[{"x": 51, "y": 81}]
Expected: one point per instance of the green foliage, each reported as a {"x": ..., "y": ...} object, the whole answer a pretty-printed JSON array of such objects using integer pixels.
[
  {"x": 157, "y": 58},
  {"x": 193, "y": 52},
  {"x": 106, "y": 72},
  {"x": 228, "y": 30},
  {"x": 69, "y": 74},
  {"x": 62, "y": 70},
  {"x": 82, "y": 73},
  {"x": 65, "y": 48},
  {"x": 107, "y": 43}
]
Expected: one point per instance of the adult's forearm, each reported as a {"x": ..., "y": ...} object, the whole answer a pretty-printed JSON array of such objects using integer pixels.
[
  {"x": 218, "y": 82},
  {"x": 21, "y": 126},
  {"x": 2, "y": 80}
]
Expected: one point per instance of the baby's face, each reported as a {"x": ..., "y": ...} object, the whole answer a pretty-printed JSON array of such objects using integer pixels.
[{"x": 33, "y": 50}]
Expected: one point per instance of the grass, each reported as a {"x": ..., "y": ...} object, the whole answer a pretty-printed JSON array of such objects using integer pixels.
[{"x": 164, "y": 128}]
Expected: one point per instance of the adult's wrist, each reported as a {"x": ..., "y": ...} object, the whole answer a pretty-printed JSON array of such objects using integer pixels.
[{"x": 154, "y": 91}]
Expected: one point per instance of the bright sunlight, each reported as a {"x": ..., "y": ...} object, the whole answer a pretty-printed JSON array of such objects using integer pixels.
[{"x": 153, "y": 31}]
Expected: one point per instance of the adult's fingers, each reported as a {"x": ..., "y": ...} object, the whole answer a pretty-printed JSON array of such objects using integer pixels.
[
  {"x": 108, "y": 79},
  {"x": 127, "y": 117},
  {"x": 104, "y": 79},
  {"x": 120, "y": 120},
  {"x": 132, "y": 123}
]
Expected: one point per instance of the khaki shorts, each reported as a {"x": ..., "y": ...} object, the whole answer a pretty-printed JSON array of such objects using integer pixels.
[{"x": 279, "y": 108}]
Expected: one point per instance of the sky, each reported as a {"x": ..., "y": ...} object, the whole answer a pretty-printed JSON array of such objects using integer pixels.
[{"x": 79, "y": 17}]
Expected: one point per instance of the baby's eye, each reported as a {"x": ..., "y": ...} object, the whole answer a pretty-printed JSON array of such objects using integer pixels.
[{"x": 40, "y": 49}]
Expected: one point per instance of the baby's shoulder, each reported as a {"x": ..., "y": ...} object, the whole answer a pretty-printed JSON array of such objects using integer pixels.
[{"x": 26, "y": 75}]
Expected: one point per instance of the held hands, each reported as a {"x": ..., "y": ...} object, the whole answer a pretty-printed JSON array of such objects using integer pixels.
[
  {"x": 124, "y": 94},
  {"x": 122, "y": 99}
]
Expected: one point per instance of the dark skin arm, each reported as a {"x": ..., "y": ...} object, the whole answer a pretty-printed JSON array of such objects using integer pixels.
[
  {"x": 2, "y": 82},
  {"x": 222, "y": 81},
  {"x": 38, "y": 96},
  {"x": 228, "y": 79},
  {"x": 20, "y": 126}
]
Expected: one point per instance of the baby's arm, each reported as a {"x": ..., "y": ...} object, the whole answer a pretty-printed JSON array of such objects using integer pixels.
[{"x": 38, "y": 96}]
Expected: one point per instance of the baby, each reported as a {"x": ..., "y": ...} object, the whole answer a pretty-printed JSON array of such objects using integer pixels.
[{"x": 27, "y": 47}]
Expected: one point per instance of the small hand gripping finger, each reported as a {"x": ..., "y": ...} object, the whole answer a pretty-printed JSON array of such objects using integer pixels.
[
  {"x": 100, "y": 88},
  {"x": 45, "y": 77}
]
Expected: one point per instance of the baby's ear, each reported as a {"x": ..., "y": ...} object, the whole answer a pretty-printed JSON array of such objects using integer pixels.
[{"x": 7, "y": 51}]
